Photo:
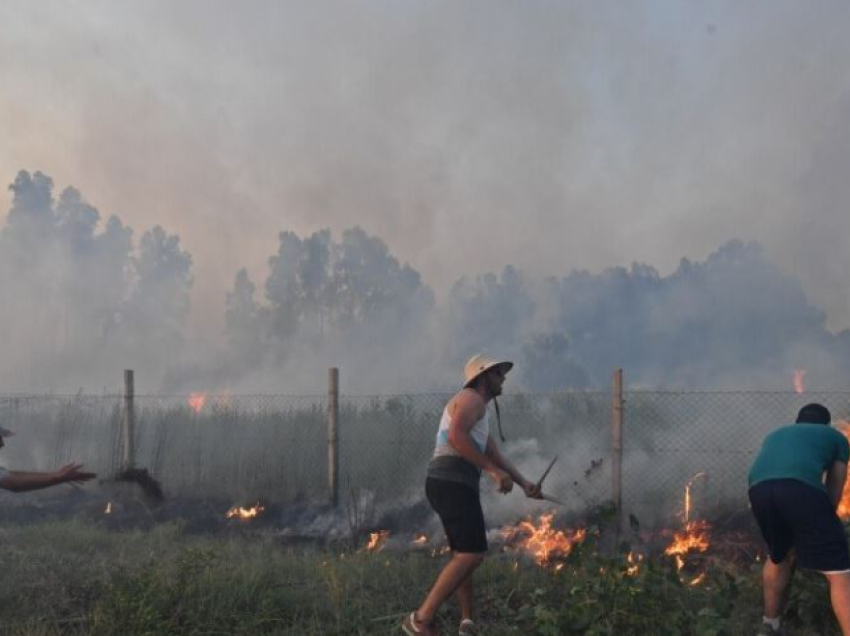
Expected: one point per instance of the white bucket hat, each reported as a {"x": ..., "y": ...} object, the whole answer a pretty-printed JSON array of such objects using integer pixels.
[{"x": 481, "y": 363}]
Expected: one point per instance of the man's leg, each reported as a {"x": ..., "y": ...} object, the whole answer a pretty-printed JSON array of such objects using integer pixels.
[
  {"x": 839, "y": 594},
  {"x": 465, "y": 598},
  {"x": 775, "y": 581},
  {"x": 456, "y": 571}
]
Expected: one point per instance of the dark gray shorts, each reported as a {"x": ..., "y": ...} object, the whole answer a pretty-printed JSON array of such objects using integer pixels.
[
  {"x": 793, "y": 514},
  {"x": 459, "y": 508}
]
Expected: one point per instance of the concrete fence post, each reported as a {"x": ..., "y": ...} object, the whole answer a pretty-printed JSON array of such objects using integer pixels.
[
  {"x": 333, "y": 435},
  {"x": 617, "y": 449},
  {"x": 128, "y": 422}
]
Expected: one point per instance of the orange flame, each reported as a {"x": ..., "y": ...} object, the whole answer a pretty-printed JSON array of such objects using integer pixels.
[
  {"x": 798, "y": 380},
  {"x": 687, "y": 507},
  {"x": 237, "y": 512},
  {"x": 694, "y": 538},
  {"x": 421, "y": 539},
  {"x": 377, "y": 540},
  {"x": 542, "y": 542},
  {"x": 634, "y": 563},
  {"x": 197, "y": 401},
  {"x": 699, "y": 579},
  {"x": 844, "y": 504},
  {"x": 108, "y": 510}
]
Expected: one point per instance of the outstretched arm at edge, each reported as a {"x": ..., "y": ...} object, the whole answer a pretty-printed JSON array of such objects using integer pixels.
[{"x": 23, "y": 481}]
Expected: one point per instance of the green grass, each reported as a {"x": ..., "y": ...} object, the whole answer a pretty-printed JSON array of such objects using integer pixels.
[{"x": 73, "y": 578}]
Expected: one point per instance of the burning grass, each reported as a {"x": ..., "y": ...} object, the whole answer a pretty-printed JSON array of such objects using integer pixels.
[{"x": 73, "y": 577}]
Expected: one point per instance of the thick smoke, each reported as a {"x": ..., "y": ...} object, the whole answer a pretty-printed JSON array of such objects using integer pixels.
[
  {"x": 550, "y": 135},
  {"x": 81, "y": 302}
]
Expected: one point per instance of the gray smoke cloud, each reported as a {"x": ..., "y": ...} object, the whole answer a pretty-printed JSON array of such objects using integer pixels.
[
  {"x": 553, "y": 136},
  {"x": 81, "y": 299}
]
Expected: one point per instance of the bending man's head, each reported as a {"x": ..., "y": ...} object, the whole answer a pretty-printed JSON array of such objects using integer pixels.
[{"x": 814, "y": 414}]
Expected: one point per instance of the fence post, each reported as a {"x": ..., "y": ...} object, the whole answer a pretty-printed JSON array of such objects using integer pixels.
[
  {"x": 128, "y": 422},
  {"x": 617, "y": 450},
  {"x": 333, "y": 435}
]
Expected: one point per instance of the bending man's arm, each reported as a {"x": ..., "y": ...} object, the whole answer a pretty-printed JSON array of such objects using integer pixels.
[
  {"x": 835, "y": 478},
  {"x": 22, "y": 481}
]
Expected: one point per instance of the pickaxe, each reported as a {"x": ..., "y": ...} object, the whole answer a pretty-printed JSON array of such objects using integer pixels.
[{"x": 539, "y": 485}]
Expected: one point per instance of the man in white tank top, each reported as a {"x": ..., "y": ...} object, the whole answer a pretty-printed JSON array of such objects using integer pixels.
[{"x": 465, "y": 449}]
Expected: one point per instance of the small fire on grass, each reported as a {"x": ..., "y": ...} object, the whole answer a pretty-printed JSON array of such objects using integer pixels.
[
  {"x": 543, "y": 542},
  {"x": 237, "y": 512},
  {"x": 634, "y": 560},
  {"x": 420, "y": 539},
  {"x": 697, "y": 580},
  {"x": 377, "y": 540},
  {"x": 693, "y": 538},
  {"x": 108, "y": 510}
]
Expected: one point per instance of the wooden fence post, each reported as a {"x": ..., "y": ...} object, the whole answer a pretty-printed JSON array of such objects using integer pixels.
[
  {"x": 617, "y": 450},
  {"x": 128, "y": 422},
  {"x": 333, "y": 435}
]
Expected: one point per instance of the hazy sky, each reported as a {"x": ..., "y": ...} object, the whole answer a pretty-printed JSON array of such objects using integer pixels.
[{"x": 552, "y": 135}]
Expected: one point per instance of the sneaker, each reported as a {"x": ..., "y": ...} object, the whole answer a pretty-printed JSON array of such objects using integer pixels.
[
  {"x": 767, "y": 630},
  {"x": 413, "y": 627},
  {"x": 468, "y": 628}
]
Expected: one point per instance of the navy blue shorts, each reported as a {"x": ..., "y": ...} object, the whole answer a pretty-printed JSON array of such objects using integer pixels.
[
  {"x": 793, "y": 514},
  {"x": 459, "y": 508}
]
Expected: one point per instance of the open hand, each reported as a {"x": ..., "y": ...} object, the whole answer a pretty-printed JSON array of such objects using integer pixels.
[{"x": 72, "y": 473}]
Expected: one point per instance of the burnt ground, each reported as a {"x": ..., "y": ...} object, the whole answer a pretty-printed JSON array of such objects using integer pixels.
[{"x": 734, "y": 536}]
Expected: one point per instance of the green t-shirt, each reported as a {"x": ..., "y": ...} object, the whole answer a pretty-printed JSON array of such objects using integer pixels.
[{"x": 799, "y": 451}]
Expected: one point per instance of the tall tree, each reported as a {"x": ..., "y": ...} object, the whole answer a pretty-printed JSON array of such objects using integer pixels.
[
  {"x": 489, "y": 313},
  {"x": 161, "y": 298}
]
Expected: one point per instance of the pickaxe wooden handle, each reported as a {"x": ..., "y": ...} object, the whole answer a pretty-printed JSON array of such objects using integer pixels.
[{"x": 552, "y": 499}]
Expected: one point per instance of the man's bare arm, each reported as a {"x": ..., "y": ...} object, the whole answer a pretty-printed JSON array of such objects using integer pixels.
[
  {"x": 23, "y": 481},
  {"x": 836, "y": 476},
  {"x": 18, "y": 481},
  {"x": 504, "y": 463},
  {"x": 530, "y": 488},
  {"x": 465, "y": 411}
]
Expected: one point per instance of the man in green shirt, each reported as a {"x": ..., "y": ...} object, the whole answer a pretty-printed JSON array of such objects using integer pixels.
[{"x": 796, "y": 484}]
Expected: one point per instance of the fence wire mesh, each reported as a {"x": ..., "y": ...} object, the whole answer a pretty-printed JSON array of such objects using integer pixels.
[
  {"x": 275, "y": 448},
  {"x": 705, "y": 439}
]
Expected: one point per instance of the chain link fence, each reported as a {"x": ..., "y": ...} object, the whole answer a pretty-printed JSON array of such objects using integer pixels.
[
  {"x": 707, "y": 440},
  {"x": 274, "y": 448}
]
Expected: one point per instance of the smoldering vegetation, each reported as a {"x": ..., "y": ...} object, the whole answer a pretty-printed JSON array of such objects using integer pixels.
[
  {"x": 272, "y": 451},
  {"x": 81, "y": 299}
]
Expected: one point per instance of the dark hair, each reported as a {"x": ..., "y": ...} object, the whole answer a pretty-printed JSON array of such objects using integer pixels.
[{"x": 814, "y": 414}]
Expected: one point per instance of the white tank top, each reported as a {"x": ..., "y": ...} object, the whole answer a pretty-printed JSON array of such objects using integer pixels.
[{"x": 479, "y": 434}]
